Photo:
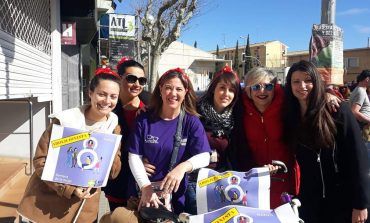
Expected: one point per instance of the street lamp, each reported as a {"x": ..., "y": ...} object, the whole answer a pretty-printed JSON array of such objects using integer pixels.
[
  {"x": 148, "y": 21},
  {"x": 243, "y": 37},
  {"x": 259, "y": 62}
]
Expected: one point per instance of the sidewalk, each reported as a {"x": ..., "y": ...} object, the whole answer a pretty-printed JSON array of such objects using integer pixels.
[{"x": 13, "y": 182}]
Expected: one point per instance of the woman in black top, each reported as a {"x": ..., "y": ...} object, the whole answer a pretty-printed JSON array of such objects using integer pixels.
[{"x": 329, "y": 150}]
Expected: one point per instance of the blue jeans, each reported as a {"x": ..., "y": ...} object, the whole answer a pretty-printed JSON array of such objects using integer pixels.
[{"x": 191, "y": 198}]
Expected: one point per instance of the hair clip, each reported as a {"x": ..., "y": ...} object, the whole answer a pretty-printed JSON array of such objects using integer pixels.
[
  {"x": 178, "y": 70},
  {"x": 124, "y": 59},
  {"x": 106, "y": 71},
  {"x": 227, "y": 69}
]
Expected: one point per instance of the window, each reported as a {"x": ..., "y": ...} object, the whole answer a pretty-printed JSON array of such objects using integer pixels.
[{"x": 350, "y": 62}]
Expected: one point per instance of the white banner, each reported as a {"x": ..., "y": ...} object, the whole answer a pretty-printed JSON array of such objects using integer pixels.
[
  {"x": 121, "y": 26},
  {"x": 242, "y": 214},
  {"x": 216, "y": 190}
]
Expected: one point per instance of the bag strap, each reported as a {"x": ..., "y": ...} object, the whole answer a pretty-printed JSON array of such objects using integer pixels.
[{"x": 177, "y": 141}]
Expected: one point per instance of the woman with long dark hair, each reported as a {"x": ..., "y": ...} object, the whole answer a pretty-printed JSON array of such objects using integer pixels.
[
  {"x": 329, "y": 149},
  {"x": 216, "y": 114}
]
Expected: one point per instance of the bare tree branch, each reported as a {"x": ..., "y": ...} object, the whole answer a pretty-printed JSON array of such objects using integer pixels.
[
  {"x": 182, "y": 19},
  {"x": 162, "y": 22}
]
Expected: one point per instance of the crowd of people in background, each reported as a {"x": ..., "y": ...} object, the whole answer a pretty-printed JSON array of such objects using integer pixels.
[{"x": 229, "y": 127}]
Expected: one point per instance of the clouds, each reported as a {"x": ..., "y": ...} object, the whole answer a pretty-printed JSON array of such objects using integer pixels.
[
  {"x": 353, "y": 11},
  {"x": 362, "y": 29}
]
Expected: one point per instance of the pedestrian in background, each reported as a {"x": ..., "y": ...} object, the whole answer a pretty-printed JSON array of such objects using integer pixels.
[
  {"x": 329, "y": 149},
  {"x": 360, "y": 103},
  {"x": 344, "y": 90},
  {"x": 55, "y": 202}
]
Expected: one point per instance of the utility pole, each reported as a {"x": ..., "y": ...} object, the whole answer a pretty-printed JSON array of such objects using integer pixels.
[
  {"x": 326, "y": 45},
  {"x": 328, "y": 11}
]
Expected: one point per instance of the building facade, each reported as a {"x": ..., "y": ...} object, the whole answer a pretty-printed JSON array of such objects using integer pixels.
[
  {"x": 39, "y": 73},
  {"x": 268, "y": 54},
  {"x": 199, "y": 65}
]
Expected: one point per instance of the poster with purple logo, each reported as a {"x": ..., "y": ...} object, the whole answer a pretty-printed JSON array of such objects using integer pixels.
[
  {"x": 78, "y": 157},
  {"x": 242, "y": 214},
  {"x": 216, "y": 190}
]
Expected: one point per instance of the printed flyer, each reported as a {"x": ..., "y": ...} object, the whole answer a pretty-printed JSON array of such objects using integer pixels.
[
  {"x": 78, "y": 157},
  {"x": 216, "y": 190},
  {"x": 242, "y": 214}
]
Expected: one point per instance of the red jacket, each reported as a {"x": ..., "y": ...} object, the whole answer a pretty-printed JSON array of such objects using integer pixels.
[{"x": 264, "y": 133}]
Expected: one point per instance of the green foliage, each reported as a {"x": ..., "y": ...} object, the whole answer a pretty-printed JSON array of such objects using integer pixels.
[
  {"x": 248, "y": 59},
  {"x": 236, "y": 58},
  {"x": 218, "y": 64}
]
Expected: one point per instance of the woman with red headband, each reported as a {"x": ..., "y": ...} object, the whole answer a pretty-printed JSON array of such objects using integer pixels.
[
  {"x": 216, "y": 114},
  {"x": 132, "y": 85},
  {"x": 55, "y": 202},
  {"x": 172, "y": 105}
]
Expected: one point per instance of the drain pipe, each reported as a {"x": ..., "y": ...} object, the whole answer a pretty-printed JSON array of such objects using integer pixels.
[{"x": 30, "y": 107}]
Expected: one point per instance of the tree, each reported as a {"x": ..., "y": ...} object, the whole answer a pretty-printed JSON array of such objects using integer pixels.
[
  {"x": 162, "y": 22},
  {"x": 247, "y": 58},
  {"x": 217, "y": 57},
  {"x": 195, "y": 44},
  {"x": 236, "y": 58}
]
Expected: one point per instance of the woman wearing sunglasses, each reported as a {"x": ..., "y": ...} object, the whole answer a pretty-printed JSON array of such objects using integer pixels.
[
  {"x": 262, "y": 128},
  {"x": 132, "y": 84}
]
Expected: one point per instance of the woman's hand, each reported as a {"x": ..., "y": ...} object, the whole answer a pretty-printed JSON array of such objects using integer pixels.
[
  {"x": 273, "y": 169},
  {"x": 148, "y": 197},
  {"x": 149, "y": 168},
  {"x": 173, "y": 179},
  {"x": 333, "y": 102},
  {"x": 84, "y": 193},
  {"x": 359, "y": 216}
]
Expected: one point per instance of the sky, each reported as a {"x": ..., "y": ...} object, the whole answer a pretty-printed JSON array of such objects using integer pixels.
[{"x": 224, "y": 22}]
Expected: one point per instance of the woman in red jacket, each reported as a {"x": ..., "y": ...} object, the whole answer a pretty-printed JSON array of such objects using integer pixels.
[{"x": 262, "y": 101}]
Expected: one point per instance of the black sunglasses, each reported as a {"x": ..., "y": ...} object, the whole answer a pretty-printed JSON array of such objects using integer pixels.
[
  {"x": 258, "y": 87},
  {"x": 132, "y": 79}
]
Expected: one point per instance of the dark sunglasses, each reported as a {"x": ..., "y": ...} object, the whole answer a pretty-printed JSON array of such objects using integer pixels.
[
  {"x": 258, "y": 87},
  {"x": 132, "y": 79}
]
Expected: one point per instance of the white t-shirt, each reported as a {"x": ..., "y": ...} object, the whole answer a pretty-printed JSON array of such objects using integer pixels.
[{"x": 359, "y": 96}]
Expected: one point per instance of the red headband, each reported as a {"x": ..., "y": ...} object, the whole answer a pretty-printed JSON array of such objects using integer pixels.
[
  {"x": 106, "y": 71},
  {"x": 178, "y": 70},
  {"x": 124, "y": 59},
  {"x": 227, "y": 69}
]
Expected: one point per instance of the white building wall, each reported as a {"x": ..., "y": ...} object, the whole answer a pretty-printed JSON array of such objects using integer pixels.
[
  {"x": 24, "y": 70},
  {"x": 189, "y": 59},
  {"x": 15, "y": 127},
  {"x": 28, "y": 75},
  {"x": 56, "y": 55}
]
